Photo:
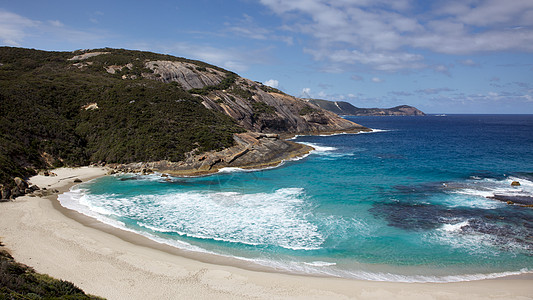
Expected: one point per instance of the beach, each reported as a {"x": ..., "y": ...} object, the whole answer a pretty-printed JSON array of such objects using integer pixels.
[{"x": 116, "y": 264}]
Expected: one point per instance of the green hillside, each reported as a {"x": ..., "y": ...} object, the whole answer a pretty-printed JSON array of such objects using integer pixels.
[{"x": 55, "y": 113}]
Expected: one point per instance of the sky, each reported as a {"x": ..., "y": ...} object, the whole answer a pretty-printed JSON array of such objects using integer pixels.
[{"x": 453, "y": 56}]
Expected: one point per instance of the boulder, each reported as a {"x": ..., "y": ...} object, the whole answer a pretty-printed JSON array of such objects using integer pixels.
[
  {"x": 515, "y": 183},
  {"x": 15, "y": 192},
  {"x": 5, "y": 193},
  {"x": 21, "y": 183}
]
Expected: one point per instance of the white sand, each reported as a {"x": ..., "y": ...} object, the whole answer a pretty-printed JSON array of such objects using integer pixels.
[{"x": 118, "y": 265}]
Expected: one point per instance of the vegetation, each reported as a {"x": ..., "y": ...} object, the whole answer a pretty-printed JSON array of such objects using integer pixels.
[
  {"x": 18, "y": 281},
  {"x": 45, "y": 120},
  {"x": 240, "y": 92},
  {"x": 261, "y": 108},
  {"x": 269, "y": 89},
  {"x": 307, "y": 110},
  {"x": 224, "y": 84}
]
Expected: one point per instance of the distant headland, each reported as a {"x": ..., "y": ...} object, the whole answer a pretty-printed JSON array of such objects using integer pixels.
[
  {"x": 346, "y": 109},
  {"x": 127, "y": 108}
]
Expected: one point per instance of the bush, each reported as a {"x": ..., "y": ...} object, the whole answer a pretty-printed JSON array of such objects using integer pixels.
[
  {"x": 43, "y": 122},
  {"x": 18, "y": 281}
]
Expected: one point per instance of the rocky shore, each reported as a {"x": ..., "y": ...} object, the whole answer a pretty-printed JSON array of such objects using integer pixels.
[{"x": 252, "y": 150}]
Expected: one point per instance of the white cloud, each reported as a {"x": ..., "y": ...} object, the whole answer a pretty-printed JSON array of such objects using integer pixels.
[
  {"x": 14, "y": 28},
  {"x": 390, "y": 35},
  {"x": 306, "y": 93},
  {"x": 233, "y": 59},
  {"x": 56, "y": 23},
  {"x": 17, "y": 30},
  {"x": 356, "y": 78},
  {"x": 248, "y": 28},
  {"x": 433, "y": 91},
  {"x": 380, "y": 61},
  {"x": 469, "y": 63},
  {"x": 377, "y": 80},
  {"x": 442, "y": 69},
  {"x": 272, "y": 83}
]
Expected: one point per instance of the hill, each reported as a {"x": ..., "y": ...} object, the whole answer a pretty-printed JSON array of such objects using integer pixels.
[
  {"x": 121, "y": 106},
  {"x": 347, "y": 109}
]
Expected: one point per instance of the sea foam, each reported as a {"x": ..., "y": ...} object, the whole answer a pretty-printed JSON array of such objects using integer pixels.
[{"x": 278, "y": 218}]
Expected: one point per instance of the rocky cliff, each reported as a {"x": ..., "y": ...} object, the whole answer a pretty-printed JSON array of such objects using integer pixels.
[
  {"x": 347, "y": 109},
  {"x": 254, "y": 106},
  {"x": 116, "y": 106}
]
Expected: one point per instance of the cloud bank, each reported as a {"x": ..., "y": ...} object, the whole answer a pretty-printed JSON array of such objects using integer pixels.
[{"x": 393, "y": 35}]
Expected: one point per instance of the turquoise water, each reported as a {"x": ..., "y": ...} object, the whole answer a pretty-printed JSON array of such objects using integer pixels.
[{"x": 407, "y": 202}]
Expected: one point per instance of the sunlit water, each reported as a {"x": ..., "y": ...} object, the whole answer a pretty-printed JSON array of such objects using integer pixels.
[{"x": 407, "y": 202}]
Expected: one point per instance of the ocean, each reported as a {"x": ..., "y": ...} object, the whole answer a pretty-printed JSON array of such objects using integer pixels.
[{"x": 412, "y": 201}]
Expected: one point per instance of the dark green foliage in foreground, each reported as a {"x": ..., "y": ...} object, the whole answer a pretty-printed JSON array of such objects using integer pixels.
[
  {"x": 43, "y": 122},
  {"x": 18, "y": 281}
]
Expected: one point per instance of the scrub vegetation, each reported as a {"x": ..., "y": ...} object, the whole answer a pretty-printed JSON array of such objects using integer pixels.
[{"x": 59, "y": 112}]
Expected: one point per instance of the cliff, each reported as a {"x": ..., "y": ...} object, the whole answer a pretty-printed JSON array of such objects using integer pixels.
[
  {"x": 254, "y": 106},
  {"x": 115, "y": 106},
  {"x": 347, "y": 109}
]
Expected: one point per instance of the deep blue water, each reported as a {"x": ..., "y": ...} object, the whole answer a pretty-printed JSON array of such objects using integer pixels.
[{"x": 411, "y": 201}]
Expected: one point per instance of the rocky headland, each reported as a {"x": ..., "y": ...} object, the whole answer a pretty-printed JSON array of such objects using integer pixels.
[
  {"x": 135, "y": 111},
  {"x": 346, "y": 109},
  {"x": 252, "y": 151}
]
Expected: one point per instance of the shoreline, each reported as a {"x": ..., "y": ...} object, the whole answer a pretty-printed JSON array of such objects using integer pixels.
[{"x": 113, "y": 263}]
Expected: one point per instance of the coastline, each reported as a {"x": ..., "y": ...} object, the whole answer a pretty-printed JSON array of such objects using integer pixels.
[
  {"x": 116, "y": 264},
  {"x": 252, "y": 150}
]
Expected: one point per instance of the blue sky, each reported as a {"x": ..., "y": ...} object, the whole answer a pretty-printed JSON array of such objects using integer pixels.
[{"x": 465, "y": 56}]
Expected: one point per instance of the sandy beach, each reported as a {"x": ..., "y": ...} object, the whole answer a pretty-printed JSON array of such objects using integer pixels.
[{"x": 115, "y": 264}]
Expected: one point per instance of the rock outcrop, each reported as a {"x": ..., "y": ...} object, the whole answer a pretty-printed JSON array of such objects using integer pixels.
[
  {"x": 262, "y": 110},
  {"x": 188, "y": 75},
  {"x": 267, "y": 114},
  {"x": 252, "y": 151},
  {"x": 170, "y": 105},
  {"x": 255, "y": 107},
  {"x": 19, "y": 187},
  {"x": 514, "y": 199}
]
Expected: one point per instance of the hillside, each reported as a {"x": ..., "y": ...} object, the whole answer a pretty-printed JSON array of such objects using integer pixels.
[
  {"x": 347, "y": 109},
  {"x": 121, "y": 106}
]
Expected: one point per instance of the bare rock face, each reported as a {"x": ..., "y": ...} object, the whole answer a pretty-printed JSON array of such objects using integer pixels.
[
  {"x": 86, "y": 55},
  {"x": 254, "y": 106},
  {"x": 259, "y": 109},
  {"x": 252, "y": 150},
  {"x": 188, "y": 75}
]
